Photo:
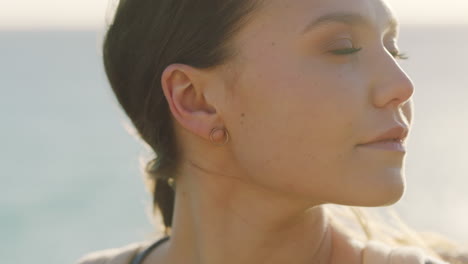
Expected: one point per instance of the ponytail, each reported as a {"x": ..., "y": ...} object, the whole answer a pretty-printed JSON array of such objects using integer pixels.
[
  {"x": 144, "y": 38},
  {"x": 162, "y": 180}
]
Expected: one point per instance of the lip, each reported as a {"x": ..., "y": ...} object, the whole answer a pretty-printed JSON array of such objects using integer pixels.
[
  {"x": 390, "y": 145},
  {"x": 391, "y": 139}
]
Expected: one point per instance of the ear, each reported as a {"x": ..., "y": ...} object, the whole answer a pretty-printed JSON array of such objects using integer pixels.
[{"x": 185, "y": 90}]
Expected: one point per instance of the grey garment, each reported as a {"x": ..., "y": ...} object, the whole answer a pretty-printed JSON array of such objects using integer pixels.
[{"x": 138, "y": 259}]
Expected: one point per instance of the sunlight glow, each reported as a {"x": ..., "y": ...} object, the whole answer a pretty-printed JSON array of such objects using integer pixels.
[{"x": 90, "y": 14}]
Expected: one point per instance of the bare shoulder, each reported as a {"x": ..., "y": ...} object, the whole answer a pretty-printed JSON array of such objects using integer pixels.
[
  {"x": 379, "y": 252},
  {"x": 413, "y": 254},
  {"x": 457, "y": 257},
  {"x": 118, "y": 255}
]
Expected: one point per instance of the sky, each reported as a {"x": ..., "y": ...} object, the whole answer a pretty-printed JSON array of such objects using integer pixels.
[{"x": 90, "y": 14}]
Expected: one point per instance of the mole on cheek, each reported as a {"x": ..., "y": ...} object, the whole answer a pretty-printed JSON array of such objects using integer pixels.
[{"x": 242, "y": 121}]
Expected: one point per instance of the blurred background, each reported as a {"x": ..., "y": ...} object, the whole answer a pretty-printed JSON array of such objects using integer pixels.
[{"x": 70, "y": 176}]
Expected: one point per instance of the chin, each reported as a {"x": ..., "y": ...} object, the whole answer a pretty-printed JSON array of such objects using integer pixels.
[
  {"x": 381, "y": 193},
  {"x": 386, "y": 196}
]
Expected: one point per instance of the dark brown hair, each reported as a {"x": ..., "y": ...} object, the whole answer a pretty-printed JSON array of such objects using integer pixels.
[{"x": 144, "y": 38}]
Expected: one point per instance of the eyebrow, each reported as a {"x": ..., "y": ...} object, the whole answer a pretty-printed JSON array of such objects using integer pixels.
[{"x": 348, "y": 19}]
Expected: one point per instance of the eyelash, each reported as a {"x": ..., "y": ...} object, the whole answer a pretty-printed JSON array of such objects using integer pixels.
[
  {"x": 346, "y": 51},
  {"x": 399, "y": 55},
  {"x": 349, "y": 51}
]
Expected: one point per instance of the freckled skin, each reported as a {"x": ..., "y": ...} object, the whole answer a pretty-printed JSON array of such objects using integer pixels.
[
  {"x": 303, "y": 104},
  {"x": 295, "y": 112}
]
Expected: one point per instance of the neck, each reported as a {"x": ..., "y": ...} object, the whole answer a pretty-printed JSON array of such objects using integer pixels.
[{"x": 224, "y": 220}]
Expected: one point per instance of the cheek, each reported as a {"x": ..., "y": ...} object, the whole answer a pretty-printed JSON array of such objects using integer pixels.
[
  {"x": 296, "y": 124},
  {"x": 318, "y": 109},
  {"x": 407, "y": 110}
]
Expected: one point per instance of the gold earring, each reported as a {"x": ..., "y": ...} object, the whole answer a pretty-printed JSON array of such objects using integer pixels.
[{"x": 225, "y": 132}]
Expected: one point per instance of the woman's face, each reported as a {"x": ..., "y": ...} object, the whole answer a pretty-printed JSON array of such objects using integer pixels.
[{"x": 298, "y": 109}]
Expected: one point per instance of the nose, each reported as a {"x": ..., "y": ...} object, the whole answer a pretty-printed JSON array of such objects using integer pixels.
[{"x": 392, "y": 86}]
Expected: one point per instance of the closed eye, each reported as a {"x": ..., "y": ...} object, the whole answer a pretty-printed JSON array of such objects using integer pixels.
[{"x": 346, "y": 51}]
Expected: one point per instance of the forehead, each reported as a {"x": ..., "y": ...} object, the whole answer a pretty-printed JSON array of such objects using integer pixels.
[
  {"x": 280, "y": 24},
  {"x": 299, "y": 14},
  {"x": 382, "y": 15}
]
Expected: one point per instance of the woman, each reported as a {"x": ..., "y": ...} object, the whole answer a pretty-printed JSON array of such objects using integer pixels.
[{"x": 264, "y": 115}]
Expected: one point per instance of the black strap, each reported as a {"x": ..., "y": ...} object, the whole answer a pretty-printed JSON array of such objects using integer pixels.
[{"x": 142, "y": 255}]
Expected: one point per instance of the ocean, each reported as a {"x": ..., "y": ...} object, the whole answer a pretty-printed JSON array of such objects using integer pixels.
[{"x": 70, "y": 176}]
